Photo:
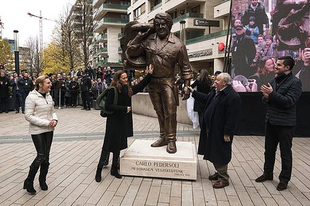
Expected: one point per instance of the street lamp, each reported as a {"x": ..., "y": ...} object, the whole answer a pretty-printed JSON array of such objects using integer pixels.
[
  {"x": 182, "y": 31},
  {"x": 16, "y": 51}
]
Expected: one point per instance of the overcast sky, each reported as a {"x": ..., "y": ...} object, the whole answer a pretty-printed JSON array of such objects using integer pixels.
[{"x": 14, "y": 16}]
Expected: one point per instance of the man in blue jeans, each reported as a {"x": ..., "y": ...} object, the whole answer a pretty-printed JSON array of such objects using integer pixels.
[{"x": 281, "y": 96}]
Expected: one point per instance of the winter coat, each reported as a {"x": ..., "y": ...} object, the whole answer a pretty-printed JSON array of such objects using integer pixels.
[
  {"x": 39, "y": 111},
  {"x": 219, "y": 119},
  {"x": 281, "y": 105},
  {"x": 4, "y": 87},
  {"x": 119, "y": 125},
  {"x": 203, "y": 87},
  {"x": 19, "y": 83},
  {"x": 260, "y": 16}
]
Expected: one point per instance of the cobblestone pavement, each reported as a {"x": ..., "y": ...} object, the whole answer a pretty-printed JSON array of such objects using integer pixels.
[{"x": 76, "y": 149}]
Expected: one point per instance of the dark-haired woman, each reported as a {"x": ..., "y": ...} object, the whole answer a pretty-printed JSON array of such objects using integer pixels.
[
  {"x": 119, "y": 125},
  {"x": 40, "y": 113},
  {"x": 203, "y": 84}
]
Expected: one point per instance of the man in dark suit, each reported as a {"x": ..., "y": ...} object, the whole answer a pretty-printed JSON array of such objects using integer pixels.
[
  {"x": 223, "y": 106},
  {"x": 85, "y": 87},
  {"x": 17, "y": 84},
  {"x": 281, "y": 97}
]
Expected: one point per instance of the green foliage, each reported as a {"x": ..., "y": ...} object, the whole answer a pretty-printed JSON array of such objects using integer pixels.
[
  {"x": 6, "y": 57},
  {"x": 53, "y": 60}
]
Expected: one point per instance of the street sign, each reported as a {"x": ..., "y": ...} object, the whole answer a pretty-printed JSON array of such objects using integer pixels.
[{"x": 204, "y": 22}]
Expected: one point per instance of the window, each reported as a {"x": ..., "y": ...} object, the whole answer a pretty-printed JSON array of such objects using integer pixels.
[{"x": 139, "y": 11}]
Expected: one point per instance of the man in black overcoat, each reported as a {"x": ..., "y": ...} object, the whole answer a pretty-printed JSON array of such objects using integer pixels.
[
  {"x": 281, "y": 96},
  {"x": 223, "y": 106}
]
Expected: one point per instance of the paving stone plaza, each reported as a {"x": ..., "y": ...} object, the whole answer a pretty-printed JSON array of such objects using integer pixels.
[{"x": 76, "y": 149}]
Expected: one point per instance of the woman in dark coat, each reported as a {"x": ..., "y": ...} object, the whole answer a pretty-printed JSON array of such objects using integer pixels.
[
  {"x": 119, "y": 125},
  {"x": 203, "y": 84}
]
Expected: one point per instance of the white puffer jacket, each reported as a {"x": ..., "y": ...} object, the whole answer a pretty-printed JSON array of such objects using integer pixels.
[{"x": 39, "y": 111}]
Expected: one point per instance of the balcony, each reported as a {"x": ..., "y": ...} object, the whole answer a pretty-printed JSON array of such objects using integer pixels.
[
  {"x": 105, "y": 22},
  {"x": 189, "y": 22},
  {"x": 120, "y": 35},
  {"x": 103, "y": 37},
  {"x": 222, "y": 9},
  {"x": 156, "y": 6},
  {"x": 103, "y": 50},
  {"x": 171, "y": 5},
  {"x": 76, "y": 13},
  {"x": 207, "y": 37},
  {"x": 97, "y": 3},
  {"x": 105, "y": 8},
  {"x": 187, "y": 15}
]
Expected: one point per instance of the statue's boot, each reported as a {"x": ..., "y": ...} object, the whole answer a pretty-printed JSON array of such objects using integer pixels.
[
  {"x": 160, "y": 142},
  {"x": 171, "y": 147}
]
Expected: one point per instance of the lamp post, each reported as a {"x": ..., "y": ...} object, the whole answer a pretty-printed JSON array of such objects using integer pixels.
[
  {"x": 182, "y": 31},
  {"x": 16, "y": 51}
]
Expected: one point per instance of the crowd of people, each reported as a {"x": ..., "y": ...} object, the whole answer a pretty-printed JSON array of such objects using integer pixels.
[
  {"x": 66, "y": 88},
  {"x": 261, "y": 37}
]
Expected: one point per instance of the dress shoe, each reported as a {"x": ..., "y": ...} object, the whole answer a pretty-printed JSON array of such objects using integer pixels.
[
  {"x": 171, "y": 147},
  {"x": 214, "y": 177},
  {"x": 282, "y": 186},
  {"x": 17, "y": 112},
  {"x": 23, "y": 112},
  {"x": 159, "y": 143},
  {"x": 264, "y": 177},
  {"x": 220, "y": 184}
]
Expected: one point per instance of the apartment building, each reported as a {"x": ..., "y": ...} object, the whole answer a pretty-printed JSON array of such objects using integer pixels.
[
  {"x": 202, "y": 24},
  {"x": 110, "y": 17}
]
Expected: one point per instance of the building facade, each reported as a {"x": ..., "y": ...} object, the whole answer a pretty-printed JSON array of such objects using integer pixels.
[
  {"x": 202, "y": 24},
  {"x": 110, "y": 18}
]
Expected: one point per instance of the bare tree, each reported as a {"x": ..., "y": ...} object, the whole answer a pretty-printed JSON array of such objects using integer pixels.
[
  {"x": 65, "y": 37},
  {"x": 35, "y": 61}
]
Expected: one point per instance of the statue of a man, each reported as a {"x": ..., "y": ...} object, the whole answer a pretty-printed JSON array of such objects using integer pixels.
[{"x": 165, "y": 51}]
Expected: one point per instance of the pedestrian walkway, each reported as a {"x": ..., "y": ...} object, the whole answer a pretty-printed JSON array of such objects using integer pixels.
[{"x": 75, "y": 153}]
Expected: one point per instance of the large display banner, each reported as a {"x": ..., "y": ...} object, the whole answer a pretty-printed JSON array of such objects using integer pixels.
[{"x": 264, "y": 30}]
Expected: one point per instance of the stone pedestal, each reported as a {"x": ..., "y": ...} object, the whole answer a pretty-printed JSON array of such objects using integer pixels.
[{"x": 143, "y": 160}]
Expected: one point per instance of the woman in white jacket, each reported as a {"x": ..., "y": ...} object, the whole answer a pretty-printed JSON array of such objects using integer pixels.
[{"x": 39, "y": 112}]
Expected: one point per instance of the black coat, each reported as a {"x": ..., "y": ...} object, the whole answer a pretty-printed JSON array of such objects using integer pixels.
[
  {"x": 4, "y": 87},
  {"x": 219, "y": 119},
  {"x": 203, "y": 87},
  {"x": 119, "y": 125},
  {"x": 281, "y": 105}
]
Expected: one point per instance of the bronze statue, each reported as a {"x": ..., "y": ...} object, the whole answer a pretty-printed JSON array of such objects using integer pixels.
[{"x": 154, "y": 44}]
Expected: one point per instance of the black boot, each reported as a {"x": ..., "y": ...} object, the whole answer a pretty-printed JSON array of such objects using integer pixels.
[
  {"x": 114, "y": 169},
  {"x": 28, "y": 183},
  {"x": 98, "y": 173},
  {"x": 43, "y": 173},
  {"x": 114, "y": 172}
]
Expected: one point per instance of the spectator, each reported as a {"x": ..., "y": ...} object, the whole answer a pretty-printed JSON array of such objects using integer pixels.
[
  {"x": 265, "y": 71},
  {"x": 203, "y": 84},
  {"x": 74, "y": 90},
  {"x": 4, "y": 92},
  {"x": 243, "y": 53},
  {"x": 252, "y": 29},
  {"x": 257, "y": 10},
  {"x": 17, "y": 84},
  {"x": 85, "y": 87}
]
